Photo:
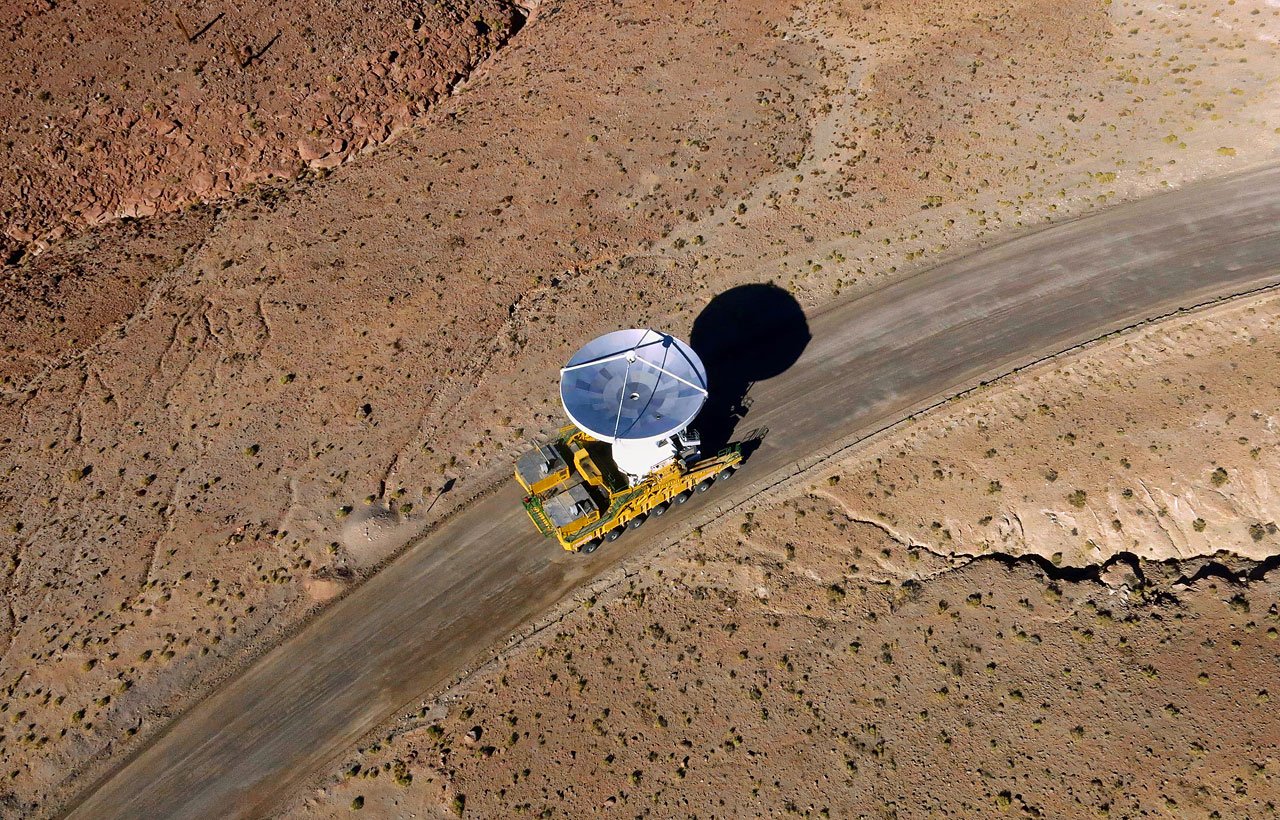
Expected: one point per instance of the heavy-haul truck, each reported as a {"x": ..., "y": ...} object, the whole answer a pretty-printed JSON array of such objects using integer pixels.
[{"x": 629, "y": 452}]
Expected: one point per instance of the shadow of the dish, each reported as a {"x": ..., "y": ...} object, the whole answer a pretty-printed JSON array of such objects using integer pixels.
[{"x": 744, "y": 335}]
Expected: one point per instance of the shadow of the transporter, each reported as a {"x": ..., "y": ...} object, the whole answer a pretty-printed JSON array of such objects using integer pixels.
[{"x": 744, "y": 335}]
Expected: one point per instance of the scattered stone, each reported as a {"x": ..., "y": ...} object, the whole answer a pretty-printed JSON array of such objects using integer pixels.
[{"x": 309, "y": 149}]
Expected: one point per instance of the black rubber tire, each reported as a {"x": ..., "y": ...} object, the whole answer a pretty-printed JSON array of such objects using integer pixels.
[
  {"x": 683, "y": 497},
  {"x": 637, "y": 522},
  {"x": 590, "y": 547},
  {"x": 705, "y": 485},
  {"x": 661, "y": 509},
  {"x": 727, "y": 474},
  {"x": 614, "y": 534}
]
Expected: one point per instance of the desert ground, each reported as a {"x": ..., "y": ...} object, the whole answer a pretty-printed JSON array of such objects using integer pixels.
[
  {"x": 1056, "y": 597},
  {"x": 134, "y": 109},
  {"x": 224, "y": 404}
]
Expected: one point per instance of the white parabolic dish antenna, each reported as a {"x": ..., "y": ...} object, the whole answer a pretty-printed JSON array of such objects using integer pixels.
[{"x": 633, "y": 387}]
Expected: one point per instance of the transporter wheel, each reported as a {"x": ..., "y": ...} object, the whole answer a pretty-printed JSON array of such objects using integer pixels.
[
  {"x": 683, "y": 497},
  {"x": 727, "y": 474},
  {"x": 705, "y": 485},
  {"x": 590, "y": 547},
  {"x": 636, "y": 522},
  {"x": 614, "y": 534},
  {"x": 660, "y": 509}
]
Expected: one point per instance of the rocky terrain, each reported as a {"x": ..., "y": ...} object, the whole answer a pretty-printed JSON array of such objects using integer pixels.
[
  {"x": 846, "y": 648},
  {"x": 216, "y": 419},
  {"x": 135, "y": 109}
]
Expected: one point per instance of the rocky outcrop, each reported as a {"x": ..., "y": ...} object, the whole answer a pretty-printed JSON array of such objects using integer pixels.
[{"x": 126, "y": 114}]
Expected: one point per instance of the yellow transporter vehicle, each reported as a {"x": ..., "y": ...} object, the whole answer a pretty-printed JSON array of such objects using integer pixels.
[
  {"x": 629, "y": 453},
  {"x": 581, "y": 504}
]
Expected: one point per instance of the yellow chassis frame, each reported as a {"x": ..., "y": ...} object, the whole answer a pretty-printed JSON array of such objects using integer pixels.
[{"x": 663, "y": 486}]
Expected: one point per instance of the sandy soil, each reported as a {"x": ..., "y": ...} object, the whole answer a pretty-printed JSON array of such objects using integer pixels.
[
  {"x": 803, "y": 656},
  {"x": 127, "y": 109},
  {"x": 1163, "y": 444},
  {"x": 181, "y": 467},
  {"x": 995, "y": 690}
]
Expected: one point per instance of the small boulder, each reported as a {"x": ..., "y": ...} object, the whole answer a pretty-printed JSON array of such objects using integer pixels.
[
  {"x": 309, "y": 149},
  {"x": 331, "y": 161}
]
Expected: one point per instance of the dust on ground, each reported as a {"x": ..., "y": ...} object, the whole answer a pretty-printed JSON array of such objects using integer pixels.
[
  {"x": 881, "y": 639},
  {"x": 180, "y": 468}
]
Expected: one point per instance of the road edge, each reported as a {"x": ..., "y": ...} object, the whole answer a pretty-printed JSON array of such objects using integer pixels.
[{"x": 798, "y": 472}]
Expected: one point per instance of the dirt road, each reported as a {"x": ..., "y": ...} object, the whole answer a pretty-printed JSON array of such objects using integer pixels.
[{"x": 468, "y": 584}]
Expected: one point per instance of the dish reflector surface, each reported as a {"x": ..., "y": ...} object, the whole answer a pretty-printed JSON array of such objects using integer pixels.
[{"x": 632, "y": 385}]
